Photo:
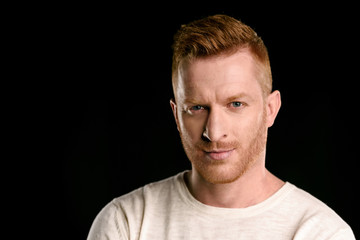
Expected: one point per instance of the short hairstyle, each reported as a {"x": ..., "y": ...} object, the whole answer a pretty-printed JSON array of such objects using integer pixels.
[{"x": 216, "y": 35}]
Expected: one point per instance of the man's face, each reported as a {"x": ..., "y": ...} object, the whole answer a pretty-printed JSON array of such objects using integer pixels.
[{"x": 221, "y": 115}]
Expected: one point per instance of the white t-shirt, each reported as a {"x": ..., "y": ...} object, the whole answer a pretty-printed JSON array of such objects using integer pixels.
[{"x": 167, "y": 210}]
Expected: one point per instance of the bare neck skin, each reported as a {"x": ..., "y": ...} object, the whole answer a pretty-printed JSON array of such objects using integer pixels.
[{"x": 255, "y": 186}]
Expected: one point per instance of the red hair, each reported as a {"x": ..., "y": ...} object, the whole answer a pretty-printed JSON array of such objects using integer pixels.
[{"x": 216, "y": 35}]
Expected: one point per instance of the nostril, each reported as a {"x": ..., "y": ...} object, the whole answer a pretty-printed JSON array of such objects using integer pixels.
[{"x": 205, "y": 138}]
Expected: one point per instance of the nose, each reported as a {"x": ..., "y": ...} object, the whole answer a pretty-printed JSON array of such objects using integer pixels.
[{"x": 216, "y": 127}]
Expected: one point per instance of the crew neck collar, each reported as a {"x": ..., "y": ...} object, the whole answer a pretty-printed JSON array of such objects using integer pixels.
[{"x": 235, "y": 212}]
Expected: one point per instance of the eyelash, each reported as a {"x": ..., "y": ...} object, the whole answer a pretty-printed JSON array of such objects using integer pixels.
[
  {"x": 240, "y": 104},
  {"x": 197, "y": 108}
]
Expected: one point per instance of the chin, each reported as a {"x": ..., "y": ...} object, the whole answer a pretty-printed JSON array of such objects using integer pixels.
[
  {"x": 219, "y": 173},
  {"x": 223, "y": 171},
  {"x": 219, "y": 176}
]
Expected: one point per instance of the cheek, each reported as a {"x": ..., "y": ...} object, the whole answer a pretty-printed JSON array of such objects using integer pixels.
[
  {"x": 245, "y": 129},
  {"x": 241, "y": 131},
  {"x": 191, "y": 127}
]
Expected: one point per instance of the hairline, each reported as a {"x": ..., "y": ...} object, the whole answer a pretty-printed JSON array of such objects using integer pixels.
[{"x": 261, "y": 71}]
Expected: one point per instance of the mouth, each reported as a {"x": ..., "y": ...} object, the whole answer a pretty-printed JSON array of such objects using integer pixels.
[{"x": 219, "y": 154}]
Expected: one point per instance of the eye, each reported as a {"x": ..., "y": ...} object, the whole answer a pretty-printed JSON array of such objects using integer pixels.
[
  {"x": 196, "y": 108},
  {"x": 236, "y": 104}
]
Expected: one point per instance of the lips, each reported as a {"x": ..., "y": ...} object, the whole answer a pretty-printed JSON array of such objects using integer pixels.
[{"x": 219, "y": 154}]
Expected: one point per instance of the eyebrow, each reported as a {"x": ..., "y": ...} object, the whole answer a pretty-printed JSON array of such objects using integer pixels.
[
  {"x": 229, "y": 99},
  {"x": 191, "y": 101},
  {"x": 236, "y": 97}
]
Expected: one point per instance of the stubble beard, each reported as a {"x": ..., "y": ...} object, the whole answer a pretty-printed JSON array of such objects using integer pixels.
[{"x": 225, "y": 171}]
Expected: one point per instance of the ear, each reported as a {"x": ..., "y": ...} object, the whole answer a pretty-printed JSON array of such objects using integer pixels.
[
  {"x": 273, "y": 104},
  {"x": 174, "y": 110}
]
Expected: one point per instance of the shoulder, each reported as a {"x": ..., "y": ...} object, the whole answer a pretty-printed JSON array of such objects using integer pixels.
[
  {"x": 150, "y": 192},
  {"x": 106, "y": 224},
  {"x": 313, "y": 206},
  {"x": 125, "y": 214},
  {"x": 316, "y": 218}
]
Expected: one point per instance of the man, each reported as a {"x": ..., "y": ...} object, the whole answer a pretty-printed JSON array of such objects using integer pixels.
[{"x": 223, "y": 107}]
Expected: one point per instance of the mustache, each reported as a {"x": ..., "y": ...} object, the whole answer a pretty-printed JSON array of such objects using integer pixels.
[{"x": 213, "y": 146}]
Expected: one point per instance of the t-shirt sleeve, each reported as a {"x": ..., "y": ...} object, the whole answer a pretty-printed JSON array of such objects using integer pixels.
[
  {"x": 109, "y": 224},
  {"x": 344, "y": 234},
  {"x": 324, "y": 225}
]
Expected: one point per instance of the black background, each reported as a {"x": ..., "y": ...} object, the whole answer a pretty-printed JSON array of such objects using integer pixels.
[{"x": 97, "y": 120}]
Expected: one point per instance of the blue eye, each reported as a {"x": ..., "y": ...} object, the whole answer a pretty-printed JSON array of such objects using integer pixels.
[
  {"x": 236, "y": 104},
  {"x": 196, "y": 108}
]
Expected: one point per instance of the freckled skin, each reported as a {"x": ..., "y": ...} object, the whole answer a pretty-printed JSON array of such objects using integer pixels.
[
  {"x": 222, "y": 98},
  {"x": 222, "y": 114}
]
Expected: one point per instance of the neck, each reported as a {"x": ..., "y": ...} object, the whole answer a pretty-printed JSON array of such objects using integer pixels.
[{"x": 255, "y": 186}]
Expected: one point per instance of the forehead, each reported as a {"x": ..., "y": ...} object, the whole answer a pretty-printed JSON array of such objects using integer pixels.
[{"x": 219, "y": 76}]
